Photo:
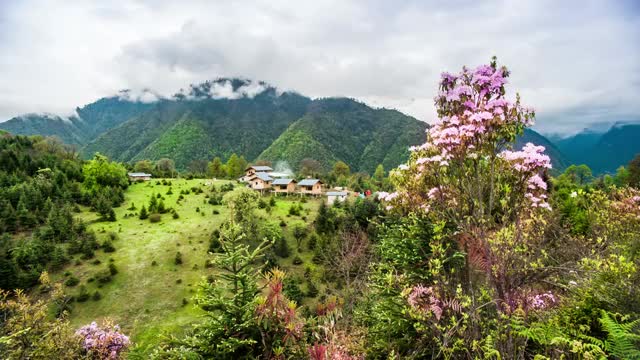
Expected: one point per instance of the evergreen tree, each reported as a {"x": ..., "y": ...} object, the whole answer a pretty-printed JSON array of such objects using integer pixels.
[
  {"x": 216, "y": 168},
  {"x": 143, "y": 213}
]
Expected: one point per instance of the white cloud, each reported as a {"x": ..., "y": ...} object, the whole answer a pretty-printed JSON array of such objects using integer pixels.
[{"x": 576, "y": 62}]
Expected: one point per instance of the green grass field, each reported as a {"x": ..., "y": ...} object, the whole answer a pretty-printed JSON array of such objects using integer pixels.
[{"x": 144, "y": 297}]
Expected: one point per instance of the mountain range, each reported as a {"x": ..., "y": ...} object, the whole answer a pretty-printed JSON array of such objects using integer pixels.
[
  {"x": 603, "y": 150},
  {"x": 256, "y": 120}
]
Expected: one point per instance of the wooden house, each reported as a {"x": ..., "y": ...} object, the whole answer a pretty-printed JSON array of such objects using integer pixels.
[
  {"x": 251, "y": 171},
  {"x": 139, "y": 176},
  {"x": 310, "y": 186},
  {"x": 260, "y": 181},
  {"x": 284, "y": 186}
]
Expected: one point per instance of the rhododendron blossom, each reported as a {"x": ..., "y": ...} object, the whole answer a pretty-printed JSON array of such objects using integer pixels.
[{"x": 103, "y": 343}]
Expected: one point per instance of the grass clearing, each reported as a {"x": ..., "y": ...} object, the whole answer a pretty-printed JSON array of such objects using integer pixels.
[{"x": 146, "y": 297}]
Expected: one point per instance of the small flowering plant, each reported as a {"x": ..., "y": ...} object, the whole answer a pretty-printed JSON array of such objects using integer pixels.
[{"x": 103, "y": 342}]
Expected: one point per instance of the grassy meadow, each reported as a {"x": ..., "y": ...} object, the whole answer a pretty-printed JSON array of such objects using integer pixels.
[{"x": 151, "y": 294}]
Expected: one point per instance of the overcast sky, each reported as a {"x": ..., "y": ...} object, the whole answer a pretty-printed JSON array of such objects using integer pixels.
[{"x": 576, "y": 62}]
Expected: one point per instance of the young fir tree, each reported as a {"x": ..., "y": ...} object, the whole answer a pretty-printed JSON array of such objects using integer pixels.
[{"x": 143, "y": 213}]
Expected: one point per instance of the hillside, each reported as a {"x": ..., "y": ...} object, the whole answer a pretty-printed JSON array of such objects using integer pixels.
[
  {"x": 605, "y": 151},
  {"x": 252, "y": 119},
  {"x": 343, "y": 129},
  {"x": 91, "y": 120}
]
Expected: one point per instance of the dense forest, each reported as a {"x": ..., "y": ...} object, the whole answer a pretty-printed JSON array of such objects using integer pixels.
[{"x": 472, "y": 249}]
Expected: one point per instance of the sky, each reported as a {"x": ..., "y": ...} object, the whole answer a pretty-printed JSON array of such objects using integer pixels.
[{"x": 575, "y": 62}]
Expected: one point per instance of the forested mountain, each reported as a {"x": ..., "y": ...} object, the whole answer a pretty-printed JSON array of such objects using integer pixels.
[
  {"x": 90, "y": 121},
  {"x": 252, "y": 119},
  {"x": 343, "y": 129},
  {"x": 603, "y": 151}
]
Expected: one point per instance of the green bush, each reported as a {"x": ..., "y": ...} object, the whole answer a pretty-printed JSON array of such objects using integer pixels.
[
  {"x": 107, "y": 246},
  {"x": 83, "y": 295},
  {"x": 103, "y": 276},
  {"x": 178, "y": 258},
  {"x": 281, "y": 248},
  {"x": 312, "y": 289},
  {"x": 96, "y": 296},
  {"x": 297, "y": 260},
  {"x": 112, "y": 269},
  {"x": 72, "y": 281}
]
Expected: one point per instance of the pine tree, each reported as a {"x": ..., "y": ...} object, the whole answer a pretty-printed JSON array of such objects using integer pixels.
[
  {"x": 231, "y": 330},
  {"x": 153, "y": 204},
  {"x": 143, "y": 213}
]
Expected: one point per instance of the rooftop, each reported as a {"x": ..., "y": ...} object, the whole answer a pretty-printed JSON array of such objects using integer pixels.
[
  {"x": 308, "y": 182},
  {"x": 282, "y": 181},
  {"x": 336, "y": 193},
  {"x": 262, "y": 176},
  {"x": 138, "y": 174},
  {"x": 259, "y": 168}
]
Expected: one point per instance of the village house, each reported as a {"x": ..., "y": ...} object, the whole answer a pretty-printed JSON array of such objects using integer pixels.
[
  {"x": 284, "y": 186},
  {"x": 260, "y": 181},
  {"x": 252, "y": 170},
  {"x": 333, "y": 196},
  {"x": 310, "y": 186},
  {"x": 139, "y": 176}
]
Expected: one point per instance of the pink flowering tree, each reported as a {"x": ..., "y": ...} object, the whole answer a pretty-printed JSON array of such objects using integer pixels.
[{"x": 489, "y": 201}]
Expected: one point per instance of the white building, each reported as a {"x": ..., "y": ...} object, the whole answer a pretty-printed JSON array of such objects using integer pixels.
[{"x": 333, "y": 196}]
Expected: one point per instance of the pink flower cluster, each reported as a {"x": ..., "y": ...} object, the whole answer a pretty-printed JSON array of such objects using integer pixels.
[
  {"x": 471, "y": 106},
  {"x": 531, "y": 158},
  {"x": 529, "y": 162},
  {"x": 541, "y": 301},
  {"x": 103, "y": 343}
]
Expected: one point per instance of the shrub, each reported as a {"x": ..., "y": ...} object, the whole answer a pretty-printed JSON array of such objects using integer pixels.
[
  {"x": 132, "y": 207},
  {"x": 72, "y": 281},
  {"x": 197, "y": 209},
  {"x": 96, "y": 262},
  {"x": 155, "y": 218},
  {"x": 272, "y": 201},
  {"x": 313, "y": 241},
  {"x": 216, "y": 212},
  {"x": 96, "y": 296},
  {"x": 262, "y": 204},
  {"x": 312, "y": 289},
  {"x": 107, "y": 246},
  {"x": 169, "y": 192},
  {"x": 291, "y": 289},
  {"x": 175, "y": 215},
  {"x": 112, "y": 269},
  {"x": 281, "y": 248},
  {"x": 154, "y": 263},
  {"x": 294, "y": 210},
  {"x": 283, "y": 223},
  {"x": 184, "y": 301},
  {"x": 178, "y": 258},
  {"x": 83, "y": 295},
  {"x": 103, "y": 276},
  {"x": 297, "y": 260}
]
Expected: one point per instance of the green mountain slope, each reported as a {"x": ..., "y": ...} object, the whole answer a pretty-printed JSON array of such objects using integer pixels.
[
  {"x": 92, "y": 120},
  {"x": 603, "y": 151},
  {"x": 346, "y": 130},
  {"x": 187, "y": 130}
]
